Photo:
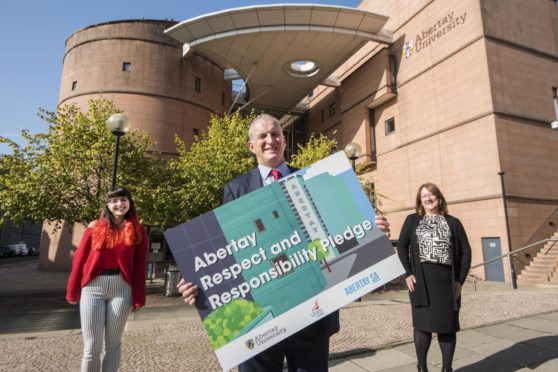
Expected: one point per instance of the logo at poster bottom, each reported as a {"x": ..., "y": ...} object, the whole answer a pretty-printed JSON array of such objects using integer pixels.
[
  {"x": 317, "y": 310},
  {"x": 262, "y": 338},
  {"x": 250, "y": 343}
]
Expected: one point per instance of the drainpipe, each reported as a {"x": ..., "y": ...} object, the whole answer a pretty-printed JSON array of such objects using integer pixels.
[{"x": 510, "y": 257}]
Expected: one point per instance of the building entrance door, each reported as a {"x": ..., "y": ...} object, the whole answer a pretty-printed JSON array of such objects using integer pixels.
[{"x": 491, "y": 248}]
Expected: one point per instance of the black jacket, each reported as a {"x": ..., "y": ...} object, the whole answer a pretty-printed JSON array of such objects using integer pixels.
[{"x": 408, "y": 252}]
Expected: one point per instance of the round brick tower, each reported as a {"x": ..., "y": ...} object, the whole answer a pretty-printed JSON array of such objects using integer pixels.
[{"x": 142, "y": 70}]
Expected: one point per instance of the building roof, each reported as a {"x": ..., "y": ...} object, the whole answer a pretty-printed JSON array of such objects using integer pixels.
[{"x": 282, "y": 51}]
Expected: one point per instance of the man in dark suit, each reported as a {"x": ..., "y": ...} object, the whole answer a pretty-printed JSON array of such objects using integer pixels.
[{"x": 308, "y": 349}]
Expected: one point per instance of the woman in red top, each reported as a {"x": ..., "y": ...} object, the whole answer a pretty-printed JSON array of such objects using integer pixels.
[{"x": 108, "y": 278}]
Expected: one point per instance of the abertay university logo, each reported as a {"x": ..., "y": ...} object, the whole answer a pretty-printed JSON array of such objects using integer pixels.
[
  {"x": 250, "y": 343},
  {"x": 262, "y": 338},
  {"x": 431, "y": 34},
  {"x": 407, "y": 49}
]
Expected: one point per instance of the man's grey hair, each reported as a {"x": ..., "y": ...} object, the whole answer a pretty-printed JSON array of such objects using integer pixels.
[{"x": 263, "y": 117}]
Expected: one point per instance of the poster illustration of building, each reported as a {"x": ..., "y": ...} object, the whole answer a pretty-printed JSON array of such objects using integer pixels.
[{"x": 274, "y": 261}]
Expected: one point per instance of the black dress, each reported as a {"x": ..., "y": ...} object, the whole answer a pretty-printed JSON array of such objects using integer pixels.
[{"x": 435, "y": 249}]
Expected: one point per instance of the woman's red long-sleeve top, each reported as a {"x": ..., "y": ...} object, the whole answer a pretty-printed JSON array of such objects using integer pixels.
[{"x": 88, "y": 263}]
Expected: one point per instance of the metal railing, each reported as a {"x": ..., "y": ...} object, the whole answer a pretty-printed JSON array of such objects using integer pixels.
[{"x": 553, "y": 240}]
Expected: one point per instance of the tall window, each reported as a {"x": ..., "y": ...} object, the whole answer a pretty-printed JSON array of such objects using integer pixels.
[
  {"x": 390, "y": 126},
  {"x": 74, "y": 85},
  {"x": 332, "y": 109},
  {"x": 197, "y": 84},
  {"x": 393, "y": 73},
  {"x": 372, "y": 129}
]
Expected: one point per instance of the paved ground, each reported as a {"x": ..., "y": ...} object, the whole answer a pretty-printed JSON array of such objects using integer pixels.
[{"x": 503, "y": 330}]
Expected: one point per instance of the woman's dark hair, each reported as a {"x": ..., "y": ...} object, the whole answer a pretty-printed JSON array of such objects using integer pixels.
[
  {"x": 115, "y": 192},
  {"x": 442, "y": 204}
]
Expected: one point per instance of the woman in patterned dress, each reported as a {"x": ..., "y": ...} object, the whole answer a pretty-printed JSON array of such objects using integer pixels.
[{"x": 435, "y": 252}]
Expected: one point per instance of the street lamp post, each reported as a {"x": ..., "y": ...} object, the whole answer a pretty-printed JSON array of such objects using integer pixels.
[
  {"x": 353, "y": 152},
  {"x": 512, "y": 267},
  {"x": 554, "y": 124},
  {"x": 119, "y": 125}
]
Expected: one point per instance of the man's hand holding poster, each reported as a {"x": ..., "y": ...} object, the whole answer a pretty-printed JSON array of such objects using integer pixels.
[{"x": 282, "y": 257}]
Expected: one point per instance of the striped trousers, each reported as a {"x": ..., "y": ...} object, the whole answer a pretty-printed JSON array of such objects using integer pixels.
[{"x": 104, "y": 307}]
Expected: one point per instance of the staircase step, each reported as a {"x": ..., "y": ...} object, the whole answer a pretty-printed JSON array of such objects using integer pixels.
[
  {"x": 543, "y": 263},
  {"x": 531, "y": 275},
  {"x": 537, "y": 270},
  {"x": 532, "y": 281},
  {"x": 548, "y": 258}
]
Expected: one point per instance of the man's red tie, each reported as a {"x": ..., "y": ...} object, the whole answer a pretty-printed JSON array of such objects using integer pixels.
[{"x": 276, "y": 174}]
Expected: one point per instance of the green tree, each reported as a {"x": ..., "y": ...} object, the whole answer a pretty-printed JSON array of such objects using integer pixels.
[
  {"x": 64, "y": 173},
  {"x": 316, "y": 148},
  {"x": 370, "y": 190},
  {"x": 195, "y": 181},
  {"x": 319, "y": 147}
]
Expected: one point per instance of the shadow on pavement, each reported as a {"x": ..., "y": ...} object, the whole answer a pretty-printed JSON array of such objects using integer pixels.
[
  {"x": 525, "y": 354},
  {"x": 339, "y": 358}
]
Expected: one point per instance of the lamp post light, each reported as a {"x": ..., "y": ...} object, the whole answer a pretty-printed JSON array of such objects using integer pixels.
[
  {"x": 353, "y": 152},
  {"x": 119, "y": 125},
  {"x": 554, "y": 124}
]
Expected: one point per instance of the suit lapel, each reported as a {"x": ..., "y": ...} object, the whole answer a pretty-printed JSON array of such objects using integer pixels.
[{"x": 255, "y": 180}]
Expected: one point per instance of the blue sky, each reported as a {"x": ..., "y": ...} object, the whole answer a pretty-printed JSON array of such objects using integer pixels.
[{"x": 33, "y": 33}]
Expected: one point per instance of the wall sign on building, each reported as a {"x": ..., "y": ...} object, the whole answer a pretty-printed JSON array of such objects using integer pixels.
[{"x": 433, "y": 33}]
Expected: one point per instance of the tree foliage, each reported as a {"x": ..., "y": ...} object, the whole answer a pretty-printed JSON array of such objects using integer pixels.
[
  {"x": 64, "y": 173},
  {"x": 316, "y": 148},
  {"x": 367, "y": 183},
  {"x": 196, "y": 179},
  {"x": 319, "y": 147}
]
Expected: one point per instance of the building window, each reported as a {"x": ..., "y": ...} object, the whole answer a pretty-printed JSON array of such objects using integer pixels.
[
  {"x": 259, "y": 225},
  {"x": 372, "y": 129},
  {"x": 332, "y": 109},
  {"x": 275, "y": 214},
  {"x": 393, "y": 73},
  {"x": 127, "y": 66},
  {"x": 197, "y": 84},
  {"x": 74, "y": 85},
  {"x": 323, "y": 116},
  {"x": 195, "y": 131},
  {"x": 390, "y": 126}
]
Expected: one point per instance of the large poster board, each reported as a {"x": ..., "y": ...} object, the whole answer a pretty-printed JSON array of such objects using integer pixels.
[{"x": 282, "y": 257}]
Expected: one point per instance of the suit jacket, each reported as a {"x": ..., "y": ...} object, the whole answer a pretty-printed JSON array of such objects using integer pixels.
[{"x": 249, "y": 182}]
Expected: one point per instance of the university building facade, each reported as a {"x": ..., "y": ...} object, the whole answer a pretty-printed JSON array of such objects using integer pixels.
[{"x": 466, "y": 89}]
